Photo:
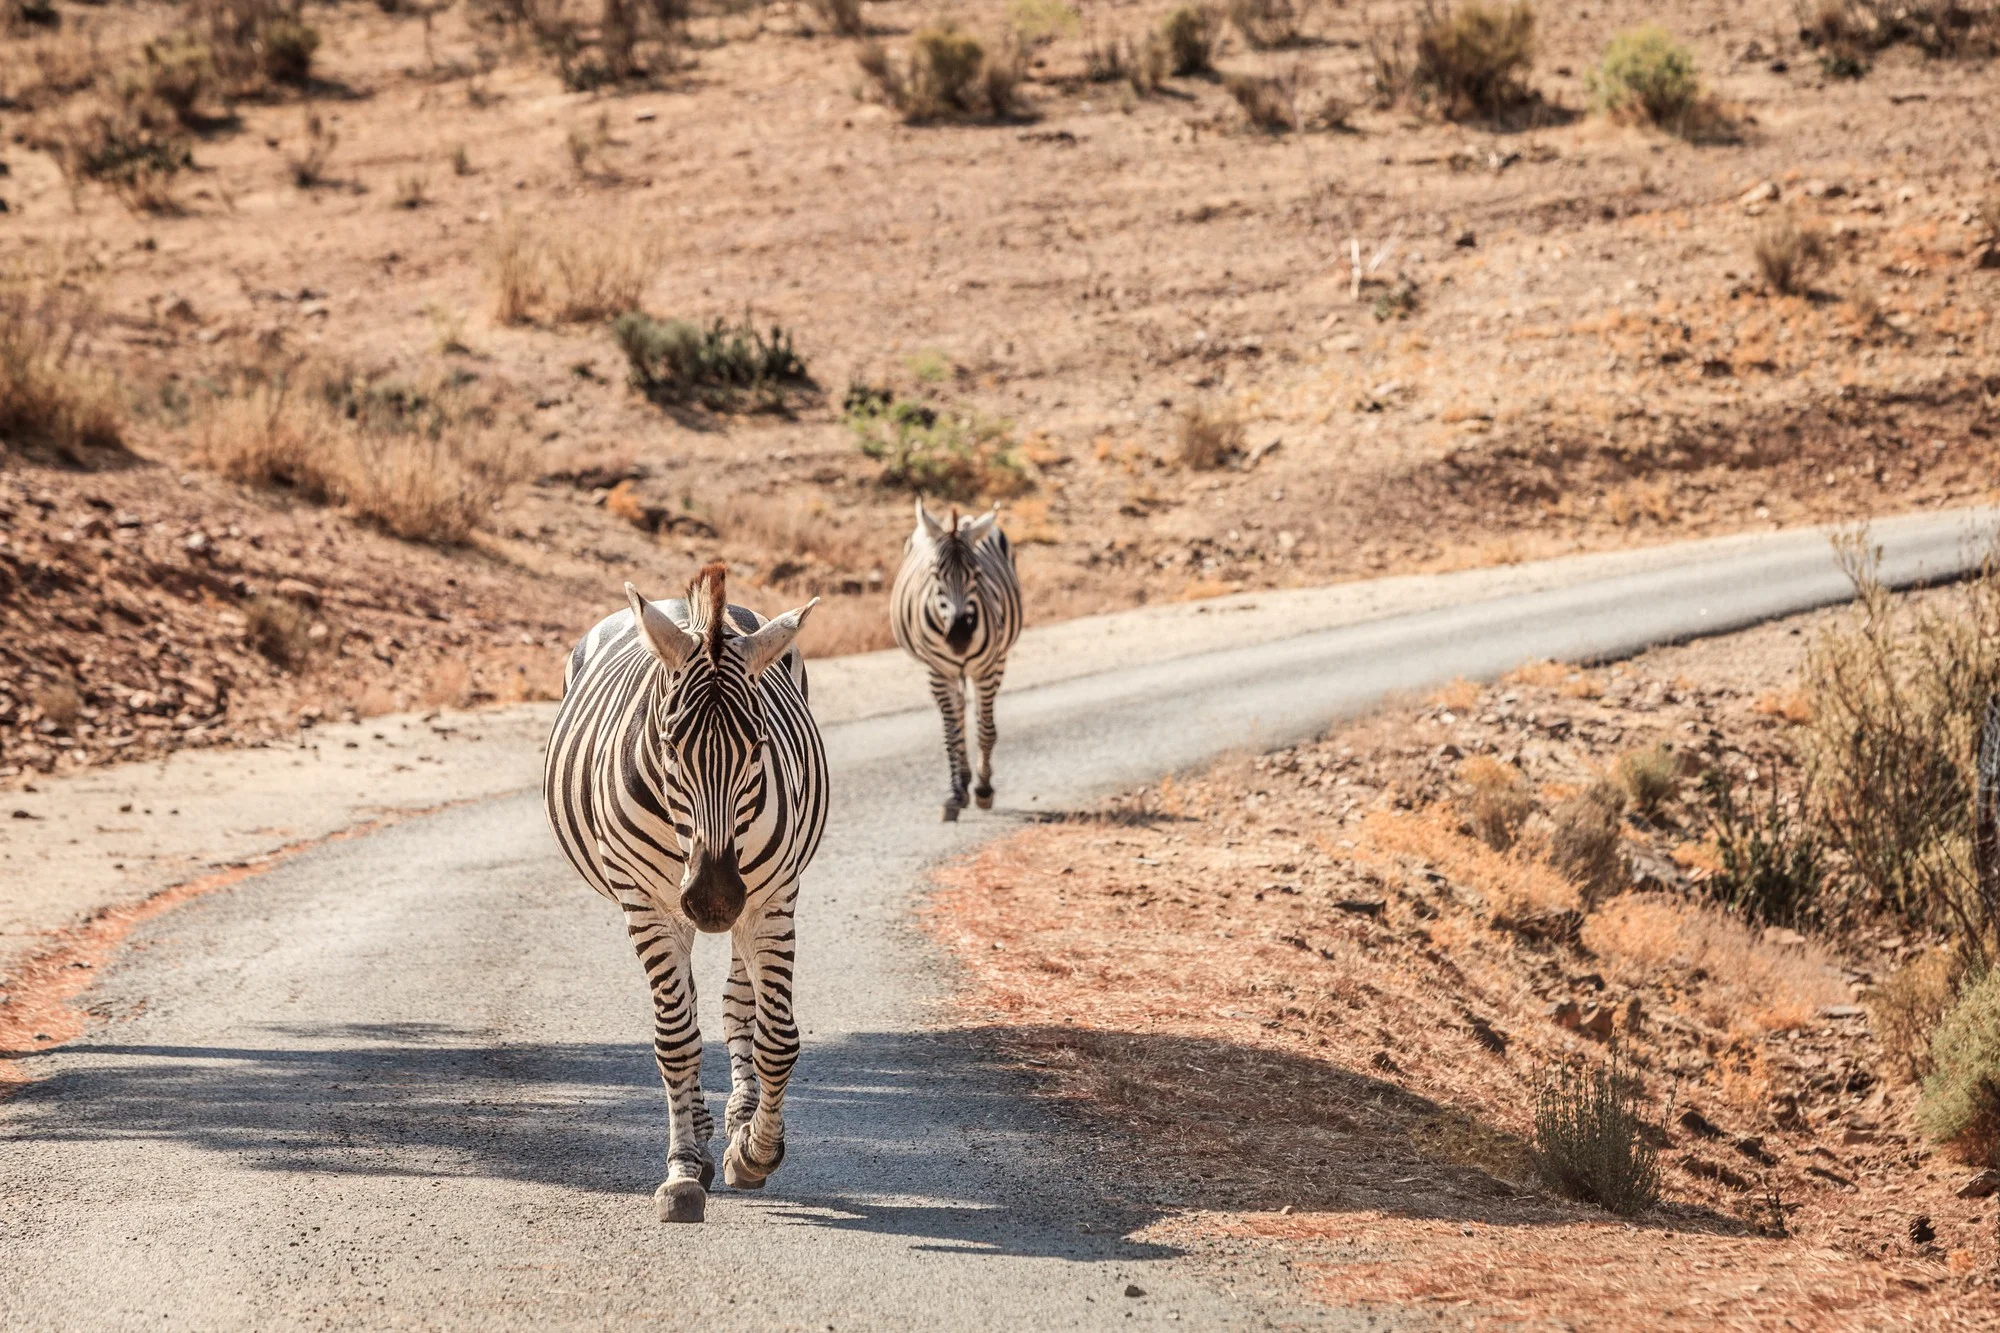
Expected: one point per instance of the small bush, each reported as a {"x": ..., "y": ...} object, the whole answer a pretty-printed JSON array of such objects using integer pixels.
[
  {"x": 1650, "y": 777},
  {"x": 569, "y": 275},
  {"x": 49, "y": 400},
  {"x": 843, "y": 16},
  {"x": 944, "y": 68},
  {"x": 1790, "y": 254},
  {"x": 1271, "y": 24},
  {"x": 945, "y": 74},
  {"x": 1266, "y": 101},
  {"x": 279, "y": 629},
  {"x": 1773, "y": 862},
  {"x": 178, "y": 70},
  {"x": 1399, "y": 300},
  {"x": 1590, "y": 1142},
  {"x": 674, "y": 361},
  {"x": 1474, "y": 58},
  {"x": 1143, "y": 66},
  {"x": 308, "y": 165},
  {"x": 1961, "y": 1098},
  {"x": 1905, "y": 1009},
  {"x": 1586, "y": 841},
  {"x": 950, "y": 456},
  {"x": 1209, "y": 438},
  {"x": 135, "y": 144},
  {"x": 1039, "y": 21},
  {"x": 1501, "y": 800},
  {"x": 412, "y": 191},
  {"x": 1646, "y": 75},
  {"x": 1190, "y": 36},
  {"x": 286, "y": 47}
]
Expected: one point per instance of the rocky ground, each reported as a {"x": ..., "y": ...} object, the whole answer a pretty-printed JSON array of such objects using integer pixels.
[
  {"x": 1557, "y": 337},
  {"x": 1321, "y": 1007}
]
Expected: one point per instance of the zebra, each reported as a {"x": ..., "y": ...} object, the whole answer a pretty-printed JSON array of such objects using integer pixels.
[
  {"x": 686, "y": 781},
  {"x": 956, "y": 608}
]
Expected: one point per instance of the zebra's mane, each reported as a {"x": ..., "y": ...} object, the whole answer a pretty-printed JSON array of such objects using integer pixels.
[{"x": 708, "y": 605}]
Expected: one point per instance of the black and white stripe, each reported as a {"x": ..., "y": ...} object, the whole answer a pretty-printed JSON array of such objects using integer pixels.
[
  {"x": 956, "y": 608},
  {"x": 686, "y": 781}
]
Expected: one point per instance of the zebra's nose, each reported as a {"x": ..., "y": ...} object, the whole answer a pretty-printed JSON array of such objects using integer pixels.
[
  {"x": 960, "y": 633},
  {"x": 712, "y": 890}
]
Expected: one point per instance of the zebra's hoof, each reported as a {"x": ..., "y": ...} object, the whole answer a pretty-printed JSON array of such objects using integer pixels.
[
  {"x": 739, "y": 1170},
  {"x": 951, "y": 812},
  {"x": 681, "y": 1200},
  {"x": 708, "y": 1173},
  {"x": 983, "y": 799}
]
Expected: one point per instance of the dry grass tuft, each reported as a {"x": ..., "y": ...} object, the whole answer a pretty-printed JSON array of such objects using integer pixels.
[
  {"x": 1649, "y": 778},
  {"x": 1516, "y": 886},
  {"x": 1790, "y": 254},
  {"x": 843, "y": 16},
  {"x": 1586, "y": 840},
  {"x": 1266, "y": 101},
  {"x": 1190, "y": 37},
  {"x": 1209, "y": 438},
  {"x": 1961, "y": 1098},
  {"x": 569, "y": 275},
  {"x": 1904, "y": 1010},
  {"x": 1473, "y": 58},
  {"x": 1271, "y": 24},
  {"x": 1500, "y": 802},
  {"x": 49, "y": 400},
  {"x": 281, "y": 630},
  {"x": 59, "y": 704},
  {"x": 946, "y": 74}
]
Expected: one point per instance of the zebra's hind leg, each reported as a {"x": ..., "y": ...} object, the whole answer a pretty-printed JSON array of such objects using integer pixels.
[
  {"x": 664, "y": 945},
  {"x": 985, "y": 688},
  {"x": 950, "y": 695},
  {"x": 739, "y": 1015},
  {"x": 757, "y": 1145}
]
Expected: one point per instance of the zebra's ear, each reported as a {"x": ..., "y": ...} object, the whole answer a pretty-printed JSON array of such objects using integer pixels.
[
  {"x": 976, "y": 530},
  {"x": 932, "y": 528},
  {"x": 669, "y": 642},
  {"x": 769, "y": 643}
]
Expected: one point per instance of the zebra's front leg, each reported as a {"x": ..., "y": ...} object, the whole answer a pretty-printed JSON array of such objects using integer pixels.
[
  {"x": 739, "y": 1016},
  {"x": 950, "y": 695},
  {"x": 757, "y": 1144},
  {"x": 665, "y": 944},
  {"x": 986, "y": 687}
]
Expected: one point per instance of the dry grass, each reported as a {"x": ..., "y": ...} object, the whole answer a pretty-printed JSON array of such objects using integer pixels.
[
  {"x": 843, "y": 16},
  {"x": 1271, "y": 24},
  {"x": 49, "y": 399},
  {"x": 1904, "y": 1010},
  {"x": 1517, "y": 886},
  {"x": 1753, "y": 987},
  {"x": 1266, "y": 101},
  {"x": 1549, "y": 675},
  {"x": 59, "y": 704},
  {"x": 570, "y": 276},
  {"x": 1650, "y": 778},
  {"x": 1586, "y": 840},
  {"x": 1500, "y": 802},
  {"x": 1473, "y": 58},
  {"x": 308, "y": 163},
  {"x": 946, "y": 74},
  {"x": 1209, "y": 438},
  {"x": 1790, "y": 254},
  {"x": 279, "y": 629},
  {"x": 1190, "y": 37}
]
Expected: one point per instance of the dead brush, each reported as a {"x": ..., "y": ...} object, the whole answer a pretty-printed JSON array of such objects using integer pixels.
[
  {"x": 50, "y": 400},
  {"x": 1586, "y": 840},
  {"x": 843, "y": 16},
  {"x": 1268, "y": 102},
  {"x": 1790, "y": 254},
  {"x": 569, "y": 275},
  {"x": 1472, "y": 58},
  {"x": 1142, "y": 65},
  {"x": 1499, "y": 800},
  {"x": 1649, "y": 778},
  {"x": 308, "y": 165},
  {"x": 946, "y": 74},
  {"x": 1209, "y": 438},
  {"x": 1590, "y": 1141},
  {"x": 1269, "y": 25},
  {"x": 60, "y": 705},
  {"x": 1904, "y": 1010},
  {"x": 412, "y": 191},
  {"x": 1190, "y": 37},
  {"x": 280, "y": 630}
]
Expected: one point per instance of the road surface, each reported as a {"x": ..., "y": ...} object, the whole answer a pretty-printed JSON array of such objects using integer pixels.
[{"x": 403, "y": 1080}]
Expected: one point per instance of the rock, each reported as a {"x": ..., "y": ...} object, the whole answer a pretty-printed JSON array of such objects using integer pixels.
[
  {"x": 1987, "y": 258},
  {"x": 1921, "y": 1230},
  {"x": 1696, "y": 1123},
  {"x": 1752, "y": 1147},
  {"x": 1597, "y": 1022},
  {"x": 1783, "y": 938},
  {"x": 644, "y": 116},
  {"x": 298, "y": 590},
  {"x": 1819, "y": 189},
  {"x": 1841, "y": 1011},
  {"x": 1134, "y": 1289},
  {"x": 1363, "y": 906},
  {"x": 1763, "y": 192},
  {"x": 1466, "y": 241},
  {"x": 1983, "y": 1185},
  {"x": 1567, "y": 1014},
  {"x": 196, "y": 543}
]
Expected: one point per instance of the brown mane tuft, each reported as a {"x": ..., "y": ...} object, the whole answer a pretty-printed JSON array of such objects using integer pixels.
[{"x": 708, "y": 604}]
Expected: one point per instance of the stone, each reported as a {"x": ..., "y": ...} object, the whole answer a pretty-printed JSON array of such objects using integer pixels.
[
  {"x": 1763, "y": 192},
  {"x": 1566, "y": 1014},
  {"x": 1597, "y": 1021},
  {"x": 1981, "y": 1186}
]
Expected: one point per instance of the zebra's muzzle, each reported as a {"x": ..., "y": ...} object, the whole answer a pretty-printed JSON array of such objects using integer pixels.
[
  {"x": 712, "y": 890},
  {"x": 959, "y": 636}
]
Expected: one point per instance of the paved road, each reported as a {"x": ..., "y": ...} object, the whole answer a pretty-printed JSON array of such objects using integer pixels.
[{"x": 403, "y": 1081}]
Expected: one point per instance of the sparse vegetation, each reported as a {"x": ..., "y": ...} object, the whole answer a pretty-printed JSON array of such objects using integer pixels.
[
  {"x": 1271, "y": 24},
  {"x": 1038, "y": 21},
  {"x": 1209, "y": 438},
  {"x": 412, "y": 191},
  {"x": 280, "y": 629},
  {"x": 946, "y": 73},
  {"x": 1500, "y": 803},
  {"x": 1143, "y": 66},
  {"x": 1473, "y": 58},
  {"x": 1590, "y": 1141},
  {"x": 309, "y": 163},
  {"x": 1189, "y": 32},
  {"x": 1266, "y": 101},
  {"x": 1961, "y": 1097},
  {"x": 1847, "y": 33},
  {"x": 49, "y": 399},
  {"x": 843, "y": 16},
  {"x": 951, "y": 455},
  {"x": 1790, "y": 254},
  {"x": 1905, "y": 1009},
  {"x": 1646, "y": 75},
  {"x": 1649, "y": 778},
  {"x": 1586, "y": 841},
  {"x": 569, "y": 276},
  {"x": 1772, "y": 858},
  {"x": 673, "y": 361}
]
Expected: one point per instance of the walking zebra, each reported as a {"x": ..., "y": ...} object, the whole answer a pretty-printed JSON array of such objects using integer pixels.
[
  {"x": 956, "y": 608},
  {"x": 686, "y": 781}
]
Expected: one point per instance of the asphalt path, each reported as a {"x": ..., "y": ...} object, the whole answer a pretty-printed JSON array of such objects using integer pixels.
[{"x": 404, "y": 1080}]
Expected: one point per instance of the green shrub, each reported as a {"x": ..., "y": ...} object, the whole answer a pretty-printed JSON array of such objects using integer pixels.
[
  {"x": 1474, "y": 58},
  {"x": 1961, "y": 1097},
  {"x": 1589, "y": 1140},
  {"x": 1773, "y": 864},
  {"x": 286, "y": 47},
  {"x": 1190, "y": 36},
  {"x": 673, "y": 361},
  {"x": 1645, "y": 74},
  {"x": 953, "y": 456}
]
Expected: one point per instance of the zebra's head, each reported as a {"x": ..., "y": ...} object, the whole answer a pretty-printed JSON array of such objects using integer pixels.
[
  {"x": 950, "y": 598},
  {"x": 714, "y": 734}
]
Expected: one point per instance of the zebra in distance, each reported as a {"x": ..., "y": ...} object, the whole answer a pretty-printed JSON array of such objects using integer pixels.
[
  {"x": 686, "y": 781},
  {"x": 956, "y": 608}
]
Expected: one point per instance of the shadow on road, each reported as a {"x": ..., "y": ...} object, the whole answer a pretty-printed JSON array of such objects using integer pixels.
[{"x": 912, "y": 1135}]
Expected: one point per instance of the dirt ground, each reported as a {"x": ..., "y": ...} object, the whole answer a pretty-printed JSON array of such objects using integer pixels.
[
  {"x": 1574, "y": 347},
  {"x": 1315, "y": 1012}
]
